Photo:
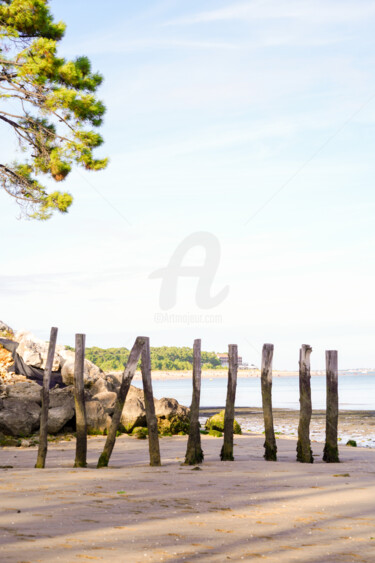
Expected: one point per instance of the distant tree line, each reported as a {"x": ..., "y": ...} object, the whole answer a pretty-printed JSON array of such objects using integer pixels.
[{"x": 164, "y": 358}]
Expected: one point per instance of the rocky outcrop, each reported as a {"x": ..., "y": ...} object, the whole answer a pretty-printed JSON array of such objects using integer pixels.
[
  {"x": 20, "y": 409},
  {"x": 20, "y": 400},
  {"x": 18, "y": 417}
]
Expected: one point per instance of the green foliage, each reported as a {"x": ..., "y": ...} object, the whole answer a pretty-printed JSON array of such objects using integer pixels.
[
  {"x": 140, "y": 432},
  {"x": 351, "y": 443},
  {"x": 216, "y": 422},
  {"x": 215, "y": 433},
  {"x": 56, "y": 107},
  {"x": 164, "y": 358}
]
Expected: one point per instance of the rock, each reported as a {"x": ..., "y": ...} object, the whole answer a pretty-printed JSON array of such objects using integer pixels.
[
  {"x": 34, "y": 351},
  {"x": 98, "y": 421},
  {"x": 58, "y": 417},
  {"x": 18, "y": 417},
  {"x": 167, "y": 408},
  {"x": 133, "y": 414},
  {"x": 107, "y": 399},
  {"x": 174, "y": 424},
  {"x": 61, "y": 397},
  {"x": 90, "y": 375},
  {"x": 216, "y": 422},
  {"x": 101, "y": 385},
  {"x": 25, "y": 443},
  {"x": 6, "y": 331},
  {"x": 24, "y": 391}
]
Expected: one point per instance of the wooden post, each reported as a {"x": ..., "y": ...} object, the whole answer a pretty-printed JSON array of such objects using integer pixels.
[
  {"x": 127, "y": 377},
  {"x": 227, "y": 449},
  {"x": 270, "y": 447},
  {"x": 43, "y": 431},
  {"x": 79, "y": 401},
  {"x": 304, "y": 452},
  {"x": 152, "y": 423},
  {"x": 331, "y": 451},
  {"x": 194, "y": 453}
]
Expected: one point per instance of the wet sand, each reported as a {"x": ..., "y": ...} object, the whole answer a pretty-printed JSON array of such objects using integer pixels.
[
  {"x": 248, "y": 509},
  {"x": 353, "y": 425}
]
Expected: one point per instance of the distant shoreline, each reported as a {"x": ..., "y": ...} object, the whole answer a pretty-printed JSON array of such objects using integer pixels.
[{"x": 242, "y": 373}]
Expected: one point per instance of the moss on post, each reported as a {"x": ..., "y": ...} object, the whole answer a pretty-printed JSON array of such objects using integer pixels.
[
  {"x": 331, "y": 451},
  {"x": 226, "y": 453},
  {"x": 194, "y": 452},
  {"x": 270, "y": 453},
  {"x": 304, "y": 452}
]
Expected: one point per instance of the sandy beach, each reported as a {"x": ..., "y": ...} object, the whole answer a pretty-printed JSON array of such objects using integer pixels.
[{"x": 248, "y": 509}]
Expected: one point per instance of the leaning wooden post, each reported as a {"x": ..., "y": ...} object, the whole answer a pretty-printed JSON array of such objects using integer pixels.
[
  {"x": 127, "y": 377},
  {"x": 43, "y": 431},
  {"x": 331, "y": 451},
  {"x": 270, "y": 447},
  {"x": 304, "y": 452},
  {"x": 152, "y": 423},
  {"x": 227, "y": 449},
  {"x": 79, "y": 401},
  {"x": 194, "y": 452}
]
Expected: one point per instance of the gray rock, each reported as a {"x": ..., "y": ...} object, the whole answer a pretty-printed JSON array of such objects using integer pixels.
[
  {"x": 34, "y": 351},
  {"x": 101, "y": 385},
  {"x": 61, "y": 397},
  {"x": 18, "y": 417},
  {"x": 24, "y": 391},
  {"x": 166, "y": 407},
  {"x": 107, "y": 399},
  {"x": 134, "y": 413},
  {"x": 97, "y": 419},
  {"x": 91, "y": 372},
  {"x": 58, "y": 417}
]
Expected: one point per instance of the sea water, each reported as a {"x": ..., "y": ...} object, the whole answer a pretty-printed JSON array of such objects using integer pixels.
[{"x": 356, "y": 392}]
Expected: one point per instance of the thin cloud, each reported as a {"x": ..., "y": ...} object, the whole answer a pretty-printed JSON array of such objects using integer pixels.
[
  {"x": 92, "y": 47},
  {"x": 312, "y": 12}
]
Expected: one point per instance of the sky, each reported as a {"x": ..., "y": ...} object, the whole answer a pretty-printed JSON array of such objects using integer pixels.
[{"x": 243, "y": 131}]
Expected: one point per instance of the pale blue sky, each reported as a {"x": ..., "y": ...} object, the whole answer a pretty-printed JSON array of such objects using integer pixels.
[{"x": 212, "y": 108}]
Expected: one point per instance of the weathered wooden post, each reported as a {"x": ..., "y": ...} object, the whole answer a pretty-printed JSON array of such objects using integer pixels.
[
  {"x": 331, "y": 451},
  {"x": 43, "y": 431},
  {"x": 227, "y": 449},
  {"x": 152, "y": 423},
  {"x": 270, "y": 447},
  {"x": 304, "y": 452},
  {"x": 79, "y": 401},
  {"x": 194, "y": 452},
  {"x": 127, "y": 377}
]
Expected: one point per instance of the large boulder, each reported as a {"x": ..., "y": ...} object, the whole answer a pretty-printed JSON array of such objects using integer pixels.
[
  {"x": 61, "y": 409},
  {"x": 58, "y": 417},
  {"x": 18, "y": 417},
  {"x": 98, "y": 421},
  {"x": 91, "y": 372},
  {"x": 33, "y": 351},
  {"x": 166, "y": 408},
  {"x": 107, "y": 399},
  {"x": 133, "y": 414},
  {"x": 24, "y": 391}
]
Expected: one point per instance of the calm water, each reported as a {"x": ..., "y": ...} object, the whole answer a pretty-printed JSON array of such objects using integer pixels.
[{"x": 355, "y": 392}]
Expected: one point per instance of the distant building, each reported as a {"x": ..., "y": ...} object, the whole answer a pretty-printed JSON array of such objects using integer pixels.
[{"x": 224, "y": 360}]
